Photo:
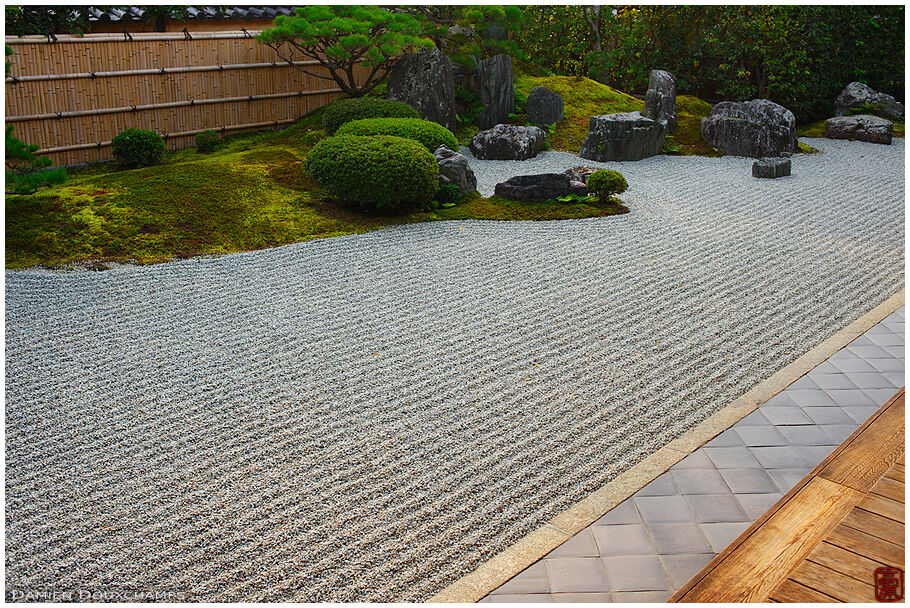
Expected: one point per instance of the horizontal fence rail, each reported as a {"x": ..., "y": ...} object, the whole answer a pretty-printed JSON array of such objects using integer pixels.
[{"x": 73, "y": 95}]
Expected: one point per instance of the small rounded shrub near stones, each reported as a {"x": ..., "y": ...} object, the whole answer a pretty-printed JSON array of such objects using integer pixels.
[
  {"x": 138, "y": 148},
  {"x": 430, "y": 134},
  {"x": 377, "y": 173},
  {"x": 346, "y": 110},
  {"x": 605, "y": 183},
  {"x": 207, "y": 141}
]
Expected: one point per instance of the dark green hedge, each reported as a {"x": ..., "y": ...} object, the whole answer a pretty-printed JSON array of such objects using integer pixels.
[
  {"x": 378, "y": 173},
  {"x": 430, "y": 134},
  {"x": 346, "y": 110}
]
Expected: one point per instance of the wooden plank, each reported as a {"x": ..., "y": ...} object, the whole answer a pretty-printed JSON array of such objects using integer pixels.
[
  {"x": 876, "y": 525},
  {"x": 865, "y": 459},
  {"x": 771, "y": 551},
  {"x": 732, "y": 569},
  {"x": 846, "y": 562},
  {"x": 890, "y": 489},
  {"x": 792, "y": 592},
  {"x": 896, "y": 473},
  {"x": 883, "y": 506},
  {"x": 886, "y": 552},
  {"x": 835, "y": 584}
]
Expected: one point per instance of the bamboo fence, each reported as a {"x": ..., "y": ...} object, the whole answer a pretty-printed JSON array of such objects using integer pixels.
[{"x": 72, "y": 96}]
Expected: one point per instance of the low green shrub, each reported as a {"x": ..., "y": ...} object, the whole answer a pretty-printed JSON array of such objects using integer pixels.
[
  {"x": 430, "y": 134},
  {"x": 447, "y": 195},
  {"x": 605, "y": 183},
  {"x": 346, "y": 110},
  {"x": 138, "y": 148},
  {"x": 377, "y": 173},
  {"x": 207, "y": 141}
]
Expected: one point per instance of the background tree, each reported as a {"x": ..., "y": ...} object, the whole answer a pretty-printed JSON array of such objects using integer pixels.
[
  {"x": 339, "y": 37},
  {"x": 467, "y": 34},
  {"x": 46, "y": 20}
]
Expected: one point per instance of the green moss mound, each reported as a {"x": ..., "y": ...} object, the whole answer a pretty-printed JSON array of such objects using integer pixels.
[
  {"x": 382, "y": 172},
  {"x": 430, "y": 134},
  {"x": 346, "y": 110},
  {"x": 582, "y": 99}
]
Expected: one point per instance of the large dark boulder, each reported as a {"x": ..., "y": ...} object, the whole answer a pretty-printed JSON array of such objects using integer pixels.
[
  {"x": 508, "y": 142},
  {"x": 856, "y": 94},
  {"x": 495, "y": 90},
  {"x": 544, "y": 106},
  {"x": 660, "y": 100},
  {"x": 425, "y": 81},
  {"x": 454, "y": 169},
  {"x": 624, "y": 136},
  {"x": 536, "y": 188},
  {"x": 756, "y": 128},
  {"x": 862, "y": 127}
]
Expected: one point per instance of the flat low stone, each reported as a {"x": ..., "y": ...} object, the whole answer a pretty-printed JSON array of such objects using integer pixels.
[
  {"x": 537, "y": 188},
  {"x": 508, "y": 142},
  {"x": 623, "y": 136},
  {"x": 580, "y": 174},
  {"x": 771, "y": 167},
  {"x": 861, "y": 127}
]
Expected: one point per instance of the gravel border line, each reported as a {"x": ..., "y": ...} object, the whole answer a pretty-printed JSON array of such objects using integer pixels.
[{"x": 502, "y": 567}]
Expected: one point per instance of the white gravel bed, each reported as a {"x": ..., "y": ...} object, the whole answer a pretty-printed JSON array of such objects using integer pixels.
[{"x": 370, "y": 417}]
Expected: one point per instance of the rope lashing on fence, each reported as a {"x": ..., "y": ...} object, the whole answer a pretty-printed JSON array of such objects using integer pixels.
[
  {"x": 246, "y": 34},
  {"x": 147, "y": 71},
  {"x": 186, "y": 34},
  {"x": 172, "y": 104},
  {"x": 126, "y": 35}
]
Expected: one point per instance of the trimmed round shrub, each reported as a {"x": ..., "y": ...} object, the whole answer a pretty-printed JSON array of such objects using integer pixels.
[
  {"x": 138, "y": 148},
  {"x": 346, "y": 110},
  {"x": 207, "y": 141},
  {"x": 430, "y": 134},
  {"x": 378, "y": 173},
  {"x": 605, "y": 183}
]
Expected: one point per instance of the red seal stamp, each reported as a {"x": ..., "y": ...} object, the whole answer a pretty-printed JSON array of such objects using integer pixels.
[{"x": 889, "y": 584}]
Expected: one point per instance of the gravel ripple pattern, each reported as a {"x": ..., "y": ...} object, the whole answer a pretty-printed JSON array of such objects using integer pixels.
[{"x": 370, "y": 417}]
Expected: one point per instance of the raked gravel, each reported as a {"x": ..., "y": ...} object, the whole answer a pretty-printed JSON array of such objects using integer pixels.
[{"x": 370, "y": 417}]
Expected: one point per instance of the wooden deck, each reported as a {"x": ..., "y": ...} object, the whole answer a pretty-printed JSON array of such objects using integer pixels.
[{"x": 822, "y": 541}]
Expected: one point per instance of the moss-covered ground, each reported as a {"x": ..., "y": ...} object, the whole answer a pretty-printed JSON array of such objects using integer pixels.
[
  {"x": 249, "y": 194},
  {"x": 252, "y": 191}
]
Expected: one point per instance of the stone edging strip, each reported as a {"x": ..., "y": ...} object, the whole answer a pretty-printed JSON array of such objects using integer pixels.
[{"x": 499, "y": 569}]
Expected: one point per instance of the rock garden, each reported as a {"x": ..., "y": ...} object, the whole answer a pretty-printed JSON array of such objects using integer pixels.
[{"x": 356, "y": 356}]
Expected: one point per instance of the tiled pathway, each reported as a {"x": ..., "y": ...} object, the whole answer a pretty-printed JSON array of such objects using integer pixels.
[{"x": 648, "y": 546}]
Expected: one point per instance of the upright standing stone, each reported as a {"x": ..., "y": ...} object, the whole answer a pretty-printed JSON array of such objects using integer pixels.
[
  {"x": 660, "y": 100},
  {"x": 544, "y": 106},
  {"x": 756, "y": 128},
  {"x": 494, "y": 91},
  {"x": 425, "y": 81},
  {"x": 623, "y": 136}
]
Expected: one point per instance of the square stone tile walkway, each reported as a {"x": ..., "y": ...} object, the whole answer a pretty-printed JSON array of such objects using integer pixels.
[{"x": 650, "y": 545}]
